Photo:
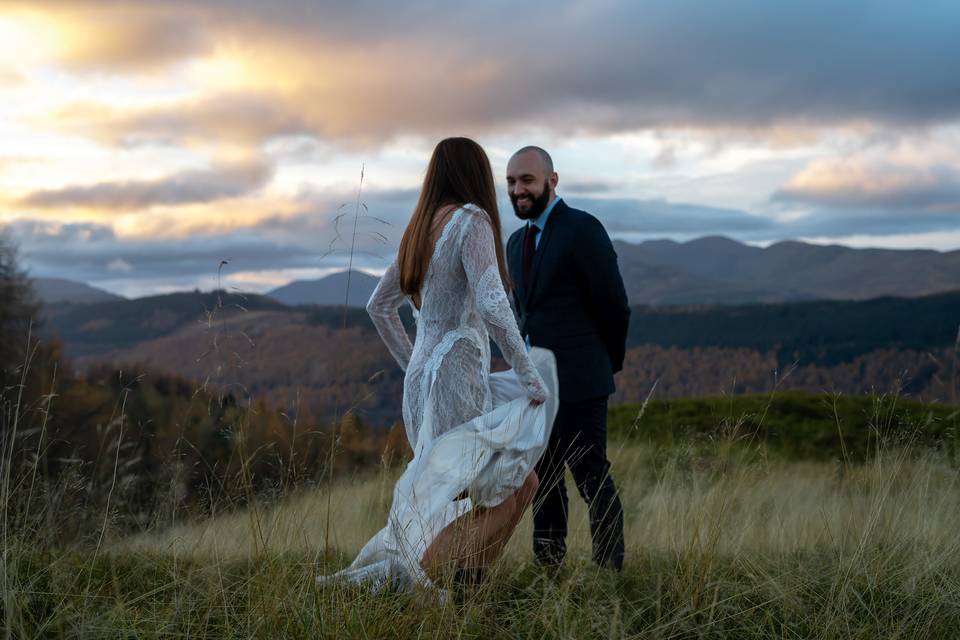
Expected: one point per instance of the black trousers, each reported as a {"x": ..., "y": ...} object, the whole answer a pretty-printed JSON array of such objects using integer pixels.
[{"x": 579, "y": 441}]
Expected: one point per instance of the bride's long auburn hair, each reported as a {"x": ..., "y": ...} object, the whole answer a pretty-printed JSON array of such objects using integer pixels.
[{"x": 459, "y": 173}]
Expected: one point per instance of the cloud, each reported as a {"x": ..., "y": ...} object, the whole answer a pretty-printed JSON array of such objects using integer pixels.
[
  {"x": 310, "y": 237},
  {"x": 307, "y": 240},
  {"x": 243, "y": 118},
  {"x": 93, "y": 252},
  {"x": 651, "y": 217},
  {"x": 855, "y": 184},
  {"x": 591, "y": 185},
  {"x": 119, "y": 264},
  {"x": 637, "y": 219},
  {"x": 10, "y": 77},
  {"x": 186, "y": 187},
  {"x": 332, "y": 68},
  {"x": 896, "y": 185},
  {"x": 130, "y": 37},
  {"x": 839, "y": 223},
  {"x": 722, "y": 88},
  {"x": 57, "y": 234}
]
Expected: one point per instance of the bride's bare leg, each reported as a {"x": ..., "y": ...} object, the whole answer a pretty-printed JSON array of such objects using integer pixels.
[
  {"x": 523, "y": 498},
  {"x": 477, "y": 538}
]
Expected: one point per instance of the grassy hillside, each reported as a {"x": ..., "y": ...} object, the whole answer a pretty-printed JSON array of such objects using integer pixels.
[
  {"x": 793, "y": 425},
  {"x": 745, "y": 517},
  {"x": 717, "y": 547}
]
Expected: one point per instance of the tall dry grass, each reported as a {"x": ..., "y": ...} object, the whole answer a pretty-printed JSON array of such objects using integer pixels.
[
  {"x": 676, "y": 503},
  {"x": 734, "y": 547},
  {"x": 721, "y": 542}
]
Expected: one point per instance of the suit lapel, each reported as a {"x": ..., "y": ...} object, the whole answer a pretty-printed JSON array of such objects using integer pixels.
[
  {"x": 516, "y": 267},
  {"x": 542, "y": 248}
]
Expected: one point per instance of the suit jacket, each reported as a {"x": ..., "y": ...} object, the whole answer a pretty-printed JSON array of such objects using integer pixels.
[{"x": 575, "y": 303}]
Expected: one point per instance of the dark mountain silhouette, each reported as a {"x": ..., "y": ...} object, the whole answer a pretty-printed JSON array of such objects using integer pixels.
[
  {"x": 720, "y": 270},
  {"x": 52, "y": 290},
  {"x": 330, "y": 290}
]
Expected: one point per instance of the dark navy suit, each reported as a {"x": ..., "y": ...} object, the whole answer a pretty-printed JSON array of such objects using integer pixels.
[{"x": 575, "y": 305}]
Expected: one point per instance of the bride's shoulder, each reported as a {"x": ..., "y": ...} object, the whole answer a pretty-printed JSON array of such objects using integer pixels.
[{"x": 475, "y": 212}]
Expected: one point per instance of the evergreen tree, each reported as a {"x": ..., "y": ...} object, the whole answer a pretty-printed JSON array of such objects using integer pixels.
[{"x": 19, "y": 309}]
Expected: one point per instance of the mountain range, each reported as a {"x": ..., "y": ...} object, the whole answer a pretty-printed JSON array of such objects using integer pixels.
[
  {"x": 718, "y": 270},
  {"x": 329, "y": 290},
  {"x": 709, "y": 270}
]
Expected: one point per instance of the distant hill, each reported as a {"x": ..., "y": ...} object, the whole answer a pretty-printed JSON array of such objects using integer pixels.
[
  {"x": 53, "y": 290},
  {"x": 329, "y": 290},
  {"x": 103, "y": 326},
  {"x": 292, "y": 357},
  {"x": 825, "y": 331},
  {"x": 649, "y": 283},
  {"x": 822, "y": 331},
  {"x": 318, "y": 355},
  {"x": 718, "y": 270}
]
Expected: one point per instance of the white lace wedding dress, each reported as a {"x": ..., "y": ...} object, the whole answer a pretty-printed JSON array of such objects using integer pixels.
[{"x": 469, "y": 429}]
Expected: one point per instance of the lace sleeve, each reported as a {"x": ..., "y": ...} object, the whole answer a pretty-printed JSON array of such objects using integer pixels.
[
  {"x": 479, "y": 260},
  {"x": 382, "y": 307}
]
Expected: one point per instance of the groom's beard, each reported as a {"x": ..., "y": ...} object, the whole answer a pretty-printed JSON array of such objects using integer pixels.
[{"x": 536, "y": 207}]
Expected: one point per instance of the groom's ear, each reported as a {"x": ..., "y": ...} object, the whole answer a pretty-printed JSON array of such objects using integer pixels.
[{"x": 554, "y": 180}]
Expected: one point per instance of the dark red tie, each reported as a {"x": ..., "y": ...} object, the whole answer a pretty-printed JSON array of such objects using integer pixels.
[{"x": 529, "y": 248}]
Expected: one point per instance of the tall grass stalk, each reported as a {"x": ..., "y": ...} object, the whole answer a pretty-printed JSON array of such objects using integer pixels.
[{"x": 334, "y": 430}]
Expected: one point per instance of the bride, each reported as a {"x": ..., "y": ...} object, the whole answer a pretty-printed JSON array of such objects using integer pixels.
[{"x": 475, "y": 436}]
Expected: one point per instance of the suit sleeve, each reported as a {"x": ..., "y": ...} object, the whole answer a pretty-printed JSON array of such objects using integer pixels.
[{"x": 596, "y": 264}]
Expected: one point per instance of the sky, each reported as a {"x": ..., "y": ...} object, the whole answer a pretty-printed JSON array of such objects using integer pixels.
[{"x": 142, "y": 145}]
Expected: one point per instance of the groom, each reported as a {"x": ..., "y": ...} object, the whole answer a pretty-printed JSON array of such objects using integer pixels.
[{"x": 570, "y": 298}]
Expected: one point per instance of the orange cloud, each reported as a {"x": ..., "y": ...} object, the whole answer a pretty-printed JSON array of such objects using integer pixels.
[
  {"x": 890, "y": 184},
  {"x": 124, "y": 37}
]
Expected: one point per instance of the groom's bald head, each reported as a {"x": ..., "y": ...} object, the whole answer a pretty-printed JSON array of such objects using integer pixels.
[
  {"x": 531, "y": 181},
  {"x": 541, "y": 153}
]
